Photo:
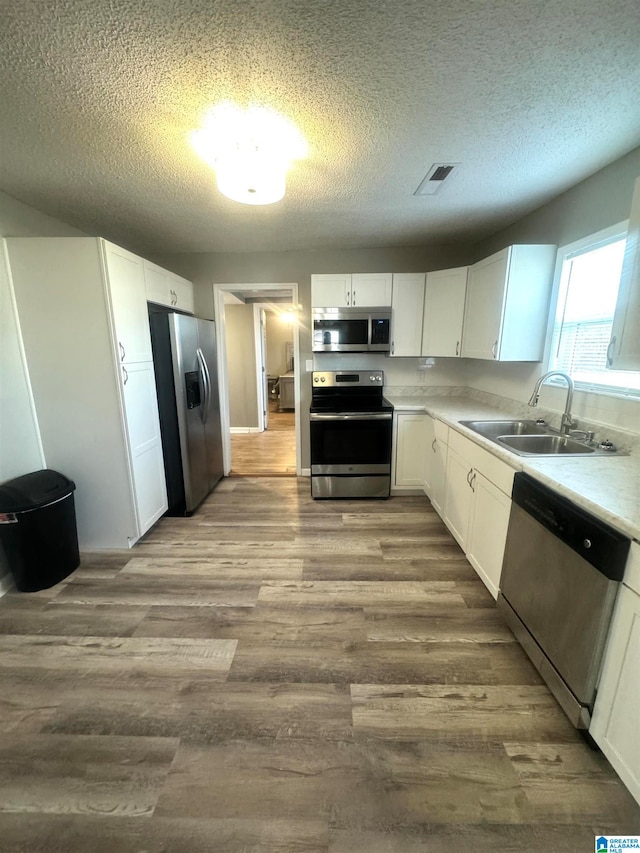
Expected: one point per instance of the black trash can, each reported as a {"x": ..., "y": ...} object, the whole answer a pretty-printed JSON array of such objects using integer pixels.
[{"x": 38, "y": 533}]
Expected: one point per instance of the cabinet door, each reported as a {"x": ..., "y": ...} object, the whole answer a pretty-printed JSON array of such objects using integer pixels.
[
  {"x": 435, "y": 466},
  {"x": 488, "y": 531},
  {"x": 484, "y": 305},
  {"x": 616, "y": 715},
  {"x": 411, "y": 447},
  {"x": 407, "y": 305},
  {"x": 624, "y": 349},
  {"x": 181, "y": 293},
  {"x": 444, "y": 299},
  {"x": 145, "y": 446},
  {"x": 369, "y": 290},
  {"x": 331, "y": 291},
  {"x": 459, "y": 496},
  {"x": 438, "y": 476},
  {"x": 156, "y": 284},
  {"x": 128, "y": 299}
]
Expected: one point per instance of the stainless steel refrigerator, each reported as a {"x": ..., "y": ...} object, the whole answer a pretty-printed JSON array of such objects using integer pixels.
[{"x": 184, "y": 356}]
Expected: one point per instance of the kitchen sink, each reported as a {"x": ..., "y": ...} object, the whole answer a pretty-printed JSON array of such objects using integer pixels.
[
  {"x": 528, "y": 438},
  {"x": 545, "y": 444},
  {"x": 493, "y": 429}
]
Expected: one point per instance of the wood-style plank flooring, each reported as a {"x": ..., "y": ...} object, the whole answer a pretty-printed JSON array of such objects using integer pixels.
[
  {"x": 279, "y": 674},
  {"x": 268, "y": 453}
]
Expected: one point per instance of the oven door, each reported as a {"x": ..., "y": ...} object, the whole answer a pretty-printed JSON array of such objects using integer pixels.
[{"x": 350, "y": 444}]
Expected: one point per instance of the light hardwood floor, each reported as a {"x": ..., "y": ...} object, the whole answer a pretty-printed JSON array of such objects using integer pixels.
[
  {"x": 279, "y": 674},
  {"x": 272, "y": 452}
]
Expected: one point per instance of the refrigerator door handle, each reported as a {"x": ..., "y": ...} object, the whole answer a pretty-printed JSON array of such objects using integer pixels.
[{"x": 206, "y": 381}]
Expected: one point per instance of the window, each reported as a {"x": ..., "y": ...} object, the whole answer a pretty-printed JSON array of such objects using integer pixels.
[{"x": 589, "y": 272}]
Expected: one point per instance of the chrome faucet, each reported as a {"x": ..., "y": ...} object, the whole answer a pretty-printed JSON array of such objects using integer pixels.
[{"x": 566, "y": 422}]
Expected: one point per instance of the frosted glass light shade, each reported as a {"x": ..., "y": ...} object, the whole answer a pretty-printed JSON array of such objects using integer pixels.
[{"x": 250, "y": 150}]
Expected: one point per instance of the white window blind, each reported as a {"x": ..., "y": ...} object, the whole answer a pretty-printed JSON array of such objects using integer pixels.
[{"x": 589, "y": 280}]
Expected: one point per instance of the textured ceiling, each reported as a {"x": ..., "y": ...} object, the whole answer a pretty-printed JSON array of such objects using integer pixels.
[{"x": 97, "y": 100}]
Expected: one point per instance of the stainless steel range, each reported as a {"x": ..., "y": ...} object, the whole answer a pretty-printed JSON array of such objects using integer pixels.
[{"x": 351, "y": 424}]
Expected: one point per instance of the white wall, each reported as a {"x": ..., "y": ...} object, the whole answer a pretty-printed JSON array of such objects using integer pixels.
[
  {"x": 241, "y": 366},
  {"x": 279, "y": 333},
  {"x": 602, "y": 200},
  {"x": 20, "y": 447}
]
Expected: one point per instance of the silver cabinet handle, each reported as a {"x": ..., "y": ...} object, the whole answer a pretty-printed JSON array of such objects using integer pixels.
[
  {"x": 457, "y": 347},
  {"x": 433, "y": 445},
  {"x": 122, "y": 352},
  {"x": 393, "y": 347},
  {"x": 473, "y": 479},
  {"x": 494, "y": 350},
  {"x": 348, "y": 297},
  {"x": 610, "y": 351},
  {"x": 353, "y": 298},
  {"x": 126, "y": 375},
  {"x": 469, "y": 473}
]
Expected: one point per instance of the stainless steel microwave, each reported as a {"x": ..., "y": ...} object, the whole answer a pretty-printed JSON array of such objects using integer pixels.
[{"x": 351, "y": 329}]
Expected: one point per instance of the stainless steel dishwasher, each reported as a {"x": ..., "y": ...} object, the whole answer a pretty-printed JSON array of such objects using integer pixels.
[{"x": 560, "y": 576}]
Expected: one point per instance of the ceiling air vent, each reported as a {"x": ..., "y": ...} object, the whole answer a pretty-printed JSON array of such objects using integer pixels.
[{"x": 435, "y": 178}]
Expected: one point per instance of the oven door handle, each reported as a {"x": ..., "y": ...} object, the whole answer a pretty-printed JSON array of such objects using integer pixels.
[{"x": 377, "y": 416}]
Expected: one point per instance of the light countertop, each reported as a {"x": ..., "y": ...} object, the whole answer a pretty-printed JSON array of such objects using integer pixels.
[{"x": 607, "y": 487}]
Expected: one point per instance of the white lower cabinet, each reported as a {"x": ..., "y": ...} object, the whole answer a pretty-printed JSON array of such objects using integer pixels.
[
  {"x": 488, "y": 531},
  {"x": 477, "y": 506},
  {"x": 435, "y": 469},
  {"x": 615, "y": 725},
  {"x": 409, "y": 450},
  {"x": 458, "y": 496}
]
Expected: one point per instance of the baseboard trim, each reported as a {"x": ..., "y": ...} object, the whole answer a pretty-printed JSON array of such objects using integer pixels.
[
  {"x": 305, "y": 472},
  {"x": 243, "y": 430}
]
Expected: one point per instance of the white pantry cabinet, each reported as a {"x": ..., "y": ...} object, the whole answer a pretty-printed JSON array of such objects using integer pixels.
[
  {"x": 477, "y": 506},
  {"x": 444, "y": 298},
  {"x": 407, "y": 306},
  {"x": 167, "y": 288},
  {"x": 409, "y": 450},
  {"x": 347, "y": 290},
  {"x": 615, "y": 725},
  {"x": 507, "y": 304},
  {"x": 81, "y": 302},
  {"x": 624, "y": 349}
]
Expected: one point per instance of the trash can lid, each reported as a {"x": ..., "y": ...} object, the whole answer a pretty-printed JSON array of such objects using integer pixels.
[{"x": 34, "y": 490}]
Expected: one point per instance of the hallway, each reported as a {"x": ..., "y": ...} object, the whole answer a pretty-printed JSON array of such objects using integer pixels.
[{"x": 268, "y": 453}]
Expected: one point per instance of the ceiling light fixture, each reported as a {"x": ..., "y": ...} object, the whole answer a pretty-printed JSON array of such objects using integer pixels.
[{"x": 251, "y": 151}]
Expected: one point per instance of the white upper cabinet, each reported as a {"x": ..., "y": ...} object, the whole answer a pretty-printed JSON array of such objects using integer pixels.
[
  {"x": 371, "y": 290},
  {"x": 181, "y": 292},
  {"x": 407, "y": 302},
  {"x": 444, "y": 299},
  {"x": 167, "y": 288},
  {"x": 507, "y": 304},
  {"x": 344, "y": 290},
  {"x": 127, "y": 295},
  {"x": 331, "y": 291},
  {"x": 624, "y": 349}
]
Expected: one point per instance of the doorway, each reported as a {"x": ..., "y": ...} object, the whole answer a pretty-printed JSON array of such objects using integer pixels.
[{"x": 258, "y": 357}]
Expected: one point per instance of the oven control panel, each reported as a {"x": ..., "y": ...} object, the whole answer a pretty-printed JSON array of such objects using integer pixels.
[{"x": 347, "y": 378}]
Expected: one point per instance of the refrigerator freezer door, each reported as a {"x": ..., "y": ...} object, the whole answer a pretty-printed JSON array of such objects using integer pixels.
[
  {"x": 184, "y": 342},
  {"x": 211, "y": 417}
]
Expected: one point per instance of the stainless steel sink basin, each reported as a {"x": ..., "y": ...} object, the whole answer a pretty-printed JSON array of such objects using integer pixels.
[
  {"x": 546, "y": 445},
  {"x": 528, "y": 438},
  {"x": 493, "y": 429}
]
